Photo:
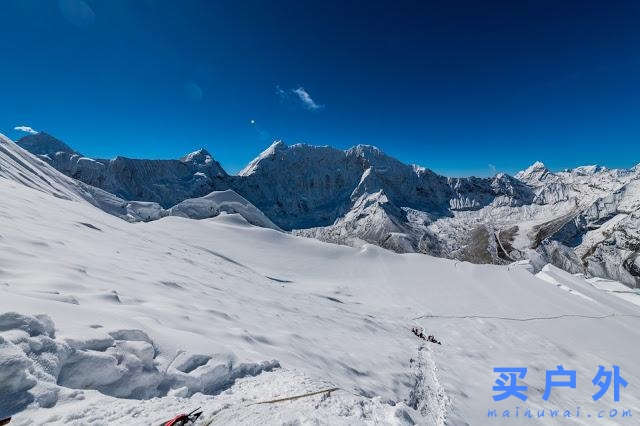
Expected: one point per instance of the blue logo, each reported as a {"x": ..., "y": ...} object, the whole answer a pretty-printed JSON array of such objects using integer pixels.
[
  {"x": 509, "y": 383},
  {"x": 506, "y": 384},
  {"x": 551, "y": 381},
  {"x": 603, "y": 379}
]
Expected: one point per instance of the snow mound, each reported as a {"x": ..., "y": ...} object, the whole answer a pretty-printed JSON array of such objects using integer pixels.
[
  {"x": 144, "y": 211},
  {"x": 213, "y": 204}
]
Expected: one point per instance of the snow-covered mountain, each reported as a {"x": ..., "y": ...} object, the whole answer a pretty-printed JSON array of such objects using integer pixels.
[
  {"x": 17, "y": 165},
  {"x": 106, "y": 321},
  {"x": 362, "y": 195},
  {"x": 20, "y": 166},
  {"x": 166, "y": 182},
  {"x": 602, "y": 239}
]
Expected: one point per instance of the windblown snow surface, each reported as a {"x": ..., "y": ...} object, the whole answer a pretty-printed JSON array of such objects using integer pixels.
[{"x": 103, "y": 321}]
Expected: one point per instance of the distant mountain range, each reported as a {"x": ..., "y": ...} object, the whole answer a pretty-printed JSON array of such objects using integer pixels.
[{"x": 583, "y": 220}]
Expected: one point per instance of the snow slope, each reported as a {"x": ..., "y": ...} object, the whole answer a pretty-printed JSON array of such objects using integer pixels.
[
  {"x": 105, "y": 321},
  {"x": 18, "y": 166}
]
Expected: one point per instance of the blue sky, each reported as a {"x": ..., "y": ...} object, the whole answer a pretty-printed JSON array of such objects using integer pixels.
[{"x": 461, "y": 87}]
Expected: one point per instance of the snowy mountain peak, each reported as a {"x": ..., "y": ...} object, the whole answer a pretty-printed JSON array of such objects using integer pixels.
[
  {"x": 588, "y": 170},
  {"x": 44, "y": 144},
  {"x": 276, "y": 146},
  {"x": 200, "y": 156},
  {"x": 375, "y": 157},
  {"x": 365, "y": 150},
  {"x": 534, "y": 173},
  {"x": 371, "y": 153},
  {"x": 538, "y": 166}
]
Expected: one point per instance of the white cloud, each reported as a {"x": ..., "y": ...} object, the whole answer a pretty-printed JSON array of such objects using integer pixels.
[
  {"x": 299, "y": 95},
  {"x": 26, "y": 129},
  {"x": 306, "y": 99},
  {"x": 280, "y": 92}
]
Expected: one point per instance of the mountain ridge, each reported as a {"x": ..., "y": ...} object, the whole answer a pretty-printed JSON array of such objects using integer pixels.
[{"x": 362, "y": 195}]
